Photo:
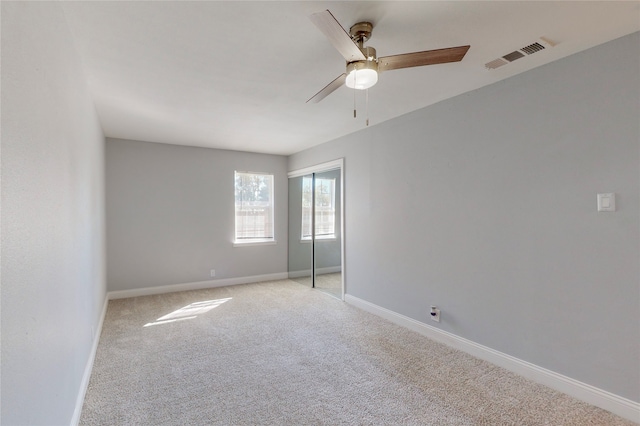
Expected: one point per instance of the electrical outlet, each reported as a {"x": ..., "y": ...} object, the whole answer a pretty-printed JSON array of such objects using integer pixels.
[
  {"x": 435, "y": 314},
  {"x": 212, "y": 273}
]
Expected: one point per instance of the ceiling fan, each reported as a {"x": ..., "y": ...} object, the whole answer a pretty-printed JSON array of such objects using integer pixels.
[{"x": 363, "y": 65}]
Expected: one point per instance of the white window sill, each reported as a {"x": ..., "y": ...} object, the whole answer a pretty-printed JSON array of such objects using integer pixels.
[{"x": 254, "y": 243}]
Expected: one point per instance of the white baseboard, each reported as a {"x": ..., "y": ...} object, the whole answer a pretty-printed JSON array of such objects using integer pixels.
[
  {"x": 84, "y": 385},
  {"x": 198, "y": 285},
  {"x": 298, "y": 274},
  {"x": 328, "y": 270},
  {"x": 623, "y": 407},
  {"x": 319, "y": 271}
]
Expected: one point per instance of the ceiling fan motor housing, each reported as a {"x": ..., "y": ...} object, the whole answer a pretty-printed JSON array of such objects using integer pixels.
[{"x": 370, "y": 63}]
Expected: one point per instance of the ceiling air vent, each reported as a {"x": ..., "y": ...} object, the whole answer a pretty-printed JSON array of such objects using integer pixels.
[
  {"x": 513, "y": 56},
  {"x": 530, "y": 49},
  {"x": 496, "y": 63}
]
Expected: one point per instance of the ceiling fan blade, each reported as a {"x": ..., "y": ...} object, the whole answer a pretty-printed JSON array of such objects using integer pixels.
[
  {"x": 417, "y": 59},
  {"x": 328, "y": 89},
  {"x": 337, "y": 35}
]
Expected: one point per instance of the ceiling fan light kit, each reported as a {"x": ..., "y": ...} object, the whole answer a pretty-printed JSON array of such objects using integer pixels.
[
  {"x": 360, "y": 76},
  {"x": 363, "y": 74}
]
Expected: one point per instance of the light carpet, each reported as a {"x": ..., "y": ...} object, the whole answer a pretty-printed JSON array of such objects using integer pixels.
[{"x": 279, "y": 353}]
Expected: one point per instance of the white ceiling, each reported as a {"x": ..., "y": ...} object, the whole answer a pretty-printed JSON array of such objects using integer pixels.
[{"x": 236, "y": 75}]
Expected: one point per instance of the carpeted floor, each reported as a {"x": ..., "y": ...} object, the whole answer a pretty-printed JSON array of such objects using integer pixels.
[{"x": 279, "y": 353}]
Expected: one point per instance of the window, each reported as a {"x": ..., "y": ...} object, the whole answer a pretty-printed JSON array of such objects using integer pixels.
[
  {"x": 254, "y": 208},
  {"x": 325, "y": 208}
]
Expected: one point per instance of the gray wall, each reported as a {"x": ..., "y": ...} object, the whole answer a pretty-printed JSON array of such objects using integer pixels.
[
  {"x": 170, "y": 215},
  {"x": 53, "y": 285},
  {"x": 485, "y": 205}
]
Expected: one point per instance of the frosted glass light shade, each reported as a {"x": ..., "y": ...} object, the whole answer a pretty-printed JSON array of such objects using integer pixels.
[{"x": 361, "y": 78}]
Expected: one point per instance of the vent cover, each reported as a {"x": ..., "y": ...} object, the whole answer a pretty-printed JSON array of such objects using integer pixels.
[
  {"x": 496, "y": 63},
  {"x": 513, "y": 56},
  {"x": 530, "y": 49}
]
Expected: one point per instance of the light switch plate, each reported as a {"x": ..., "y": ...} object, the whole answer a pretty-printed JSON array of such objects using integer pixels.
[{"x": 607, "y": 202}]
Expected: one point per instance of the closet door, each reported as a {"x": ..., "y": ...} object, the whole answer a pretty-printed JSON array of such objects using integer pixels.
[
  {"x": 327, "y": 239},
  {"x": 300, "y": 238},
  {"x": 316, "y": 246}
]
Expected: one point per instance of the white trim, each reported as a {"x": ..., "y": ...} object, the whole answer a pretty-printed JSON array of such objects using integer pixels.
[
  {"x": 84, "y": 385},
  {"x": 623, "y": 407},
  {"x": 343, "y": 259},
  {"x": 319, "y": 271},
  {"x": 318, "y": 168},
  {"x": 198, "y": 285},
  {"x": 298, "y": 274},
  {"x": 250, "y": 243},
  {"x": 328, "y": 270}
]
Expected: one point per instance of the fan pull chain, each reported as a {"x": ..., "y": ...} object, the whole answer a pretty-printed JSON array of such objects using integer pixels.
[
  {"x": 355, "y": 80},
  {"x": 367, "y": 106},
  {"x": 354, "y": 103}
]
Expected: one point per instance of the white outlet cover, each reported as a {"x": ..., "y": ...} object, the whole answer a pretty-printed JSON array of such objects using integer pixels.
[
  {"x": 607, "y": 202},
  {"x": 436, "y": 317}
]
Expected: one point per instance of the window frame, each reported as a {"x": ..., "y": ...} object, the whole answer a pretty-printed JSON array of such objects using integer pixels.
[{"x": 254, "y": 241}]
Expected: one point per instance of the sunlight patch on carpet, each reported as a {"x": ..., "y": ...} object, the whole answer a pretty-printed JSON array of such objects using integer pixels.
[{"x": 190, "y": 311}]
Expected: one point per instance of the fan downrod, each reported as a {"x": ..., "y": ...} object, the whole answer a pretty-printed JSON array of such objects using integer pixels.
[{"x": 361, "y": 32}]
